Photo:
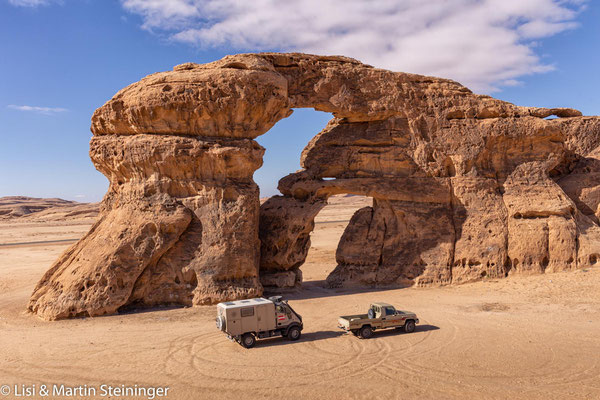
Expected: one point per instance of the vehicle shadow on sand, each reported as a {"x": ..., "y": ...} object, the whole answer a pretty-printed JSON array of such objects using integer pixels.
[
  {"x": 322, "y": 335},
  {"x": 400, "y": 331},
  {"x": 306, "y": 337}
]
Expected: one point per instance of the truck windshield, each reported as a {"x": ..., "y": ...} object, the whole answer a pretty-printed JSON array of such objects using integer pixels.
[{"x": 292, "y": 310}]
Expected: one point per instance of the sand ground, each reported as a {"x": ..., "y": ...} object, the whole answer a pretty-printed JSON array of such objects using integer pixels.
[{"x": 535, "y": 337}]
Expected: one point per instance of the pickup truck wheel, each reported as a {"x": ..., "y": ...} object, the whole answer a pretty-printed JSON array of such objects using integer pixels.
[
  {"x": 409, "y": 326},
  {"x": 248, "y": 340},
  {"x": 366, "y": 332},
  {"x": 293, "y": 333}
]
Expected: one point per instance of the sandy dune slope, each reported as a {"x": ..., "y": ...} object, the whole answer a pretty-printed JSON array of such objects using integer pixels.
[
  {"x": 523, "y": 338},
  {"x": 35, "y": 209}
]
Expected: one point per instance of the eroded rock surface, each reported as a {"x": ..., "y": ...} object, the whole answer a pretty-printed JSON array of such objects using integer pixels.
[{"x": 465, "y": 186}]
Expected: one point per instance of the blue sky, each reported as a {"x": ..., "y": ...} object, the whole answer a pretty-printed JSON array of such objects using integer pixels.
[{"x": 63, "y": 59}]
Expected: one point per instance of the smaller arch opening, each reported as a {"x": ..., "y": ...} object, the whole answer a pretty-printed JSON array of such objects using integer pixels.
[{"x": 330, "y": 224}]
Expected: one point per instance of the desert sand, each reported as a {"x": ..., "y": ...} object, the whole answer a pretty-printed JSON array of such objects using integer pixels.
[{"x": 523, "y": 337}]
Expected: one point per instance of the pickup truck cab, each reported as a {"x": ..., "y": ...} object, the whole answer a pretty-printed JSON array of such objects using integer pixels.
[{"x": 379, "y": 316}]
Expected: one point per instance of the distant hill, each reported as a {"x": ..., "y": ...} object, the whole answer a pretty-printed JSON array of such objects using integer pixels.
[{"x": 36, "y": 209}]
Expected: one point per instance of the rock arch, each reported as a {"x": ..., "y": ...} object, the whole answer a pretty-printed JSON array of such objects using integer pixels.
[{"x": 465, "y": 185}]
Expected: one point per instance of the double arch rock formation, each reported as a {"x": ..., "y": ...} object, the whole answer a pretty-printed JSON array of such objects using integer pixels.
[{"x": 464, "y": 186}]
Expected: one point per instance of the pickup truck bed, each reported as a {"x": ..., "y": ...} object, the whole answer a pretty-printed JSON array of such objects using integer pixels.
[{"x": 351, "y": 318}]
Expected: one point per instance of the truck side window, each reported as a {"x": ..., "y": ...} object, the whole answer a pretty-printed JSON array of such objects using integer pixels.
[
  {"x": 390, "y": 311},
  {"x": 247, "y": 312},
  {"x": 284, "y": 310}
]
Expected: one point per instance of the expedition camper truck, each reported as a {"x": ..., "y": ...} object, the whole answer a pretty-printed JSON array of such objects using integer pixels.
[{"x": 246, "y": 320}]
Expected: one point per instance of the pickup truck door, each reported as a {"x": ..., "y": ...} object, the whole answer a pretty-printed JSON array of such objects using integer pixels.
[{"x": 391, "y": 319}]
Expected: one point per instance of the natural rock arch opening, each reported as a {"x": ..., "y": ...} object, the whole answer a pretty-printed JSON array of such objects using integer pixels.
[
  {"x": 330, "y": 220},
  {"x": 284, "y": 144},
  {"x": 331, "y": 230}
]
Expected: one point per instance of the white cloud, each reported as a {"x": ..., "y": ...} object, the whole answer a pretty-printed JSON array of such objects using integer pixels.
[
  {"x": 39, "y": 110},
  {"x": 481, "y": 43},
  {"x": 32, "y": 3}
]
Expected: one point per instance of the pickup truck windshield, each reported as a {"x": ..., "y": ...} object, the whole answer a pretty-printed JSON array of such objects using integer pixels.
[{"x": 390, "y": 311}]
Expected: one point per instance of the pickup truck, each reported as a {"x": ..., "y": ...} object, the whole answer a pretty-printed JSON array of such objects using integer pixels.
[{"x": 379, "y": 316}]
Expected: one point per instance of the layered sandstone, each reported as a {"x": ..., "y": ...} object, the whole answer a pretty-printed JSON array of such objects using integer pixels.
[{"x": 464, "y": 186}]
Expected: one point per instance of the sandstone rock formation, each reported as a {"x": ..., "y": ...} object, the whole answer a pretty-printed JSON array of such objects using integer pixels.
[{"x": 464, "y": 186}]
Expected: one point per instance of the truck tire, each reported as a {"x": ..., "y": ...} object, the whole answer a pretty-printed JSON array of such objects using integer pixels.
[
  {"x": 366, "y": 332},
  {"x": 409, "y": 326},
  {"x": 293, "y": 333},
  {"x": 248, "y": 340}
]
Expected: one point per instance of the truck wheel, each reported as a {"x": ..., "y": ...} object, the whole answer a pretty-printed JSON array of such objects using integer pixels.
[
  {"x": 366, "y": 332},
  {"x": 248, "y": 340},
  {"x": 409, "y": 326},
  {"x": 293, "y": 333}
]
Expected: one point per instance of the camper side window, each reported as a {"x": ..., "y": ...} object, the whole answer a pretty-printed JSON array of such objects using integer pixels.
[{"x": 247, "y": 312}]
